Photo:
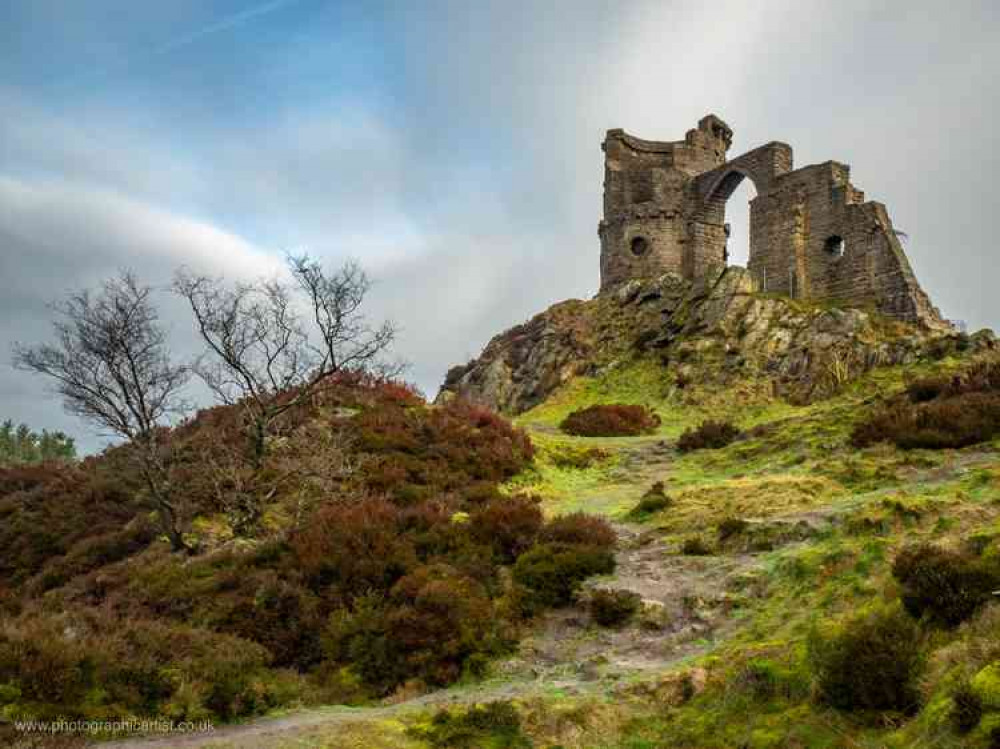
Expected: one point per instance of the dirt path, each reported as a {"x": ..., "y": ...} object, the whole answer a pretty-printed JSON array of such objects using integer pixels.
[{"x": 685, "y": 608}]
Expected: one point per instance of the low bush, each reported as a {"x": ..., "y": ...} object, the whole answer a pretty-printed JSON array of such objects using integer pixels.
[
  {"x": 945, "y": 586},
  {"x": 553, "y": 572},
  {"x": 611, "y": 421},
  {"x": 611, "y": 608},
  {"x": 709, "y": 435},
  {"x": 580, "y": 529},
  {"x": 98, "y": 667},
  {"x": 654, "y": 500},
  {"x": 871, "y": 662},
  {"x": 509, "y": 524},
  {"x": 966, "y": 708},
  {"x": 354, "y": 548},
  {"x": 730, "y": 527},
  {"x": 939, "y": 412},
  {"x": 496, "y": 725},
  {"x": 695, "y": 546},
  {"x": 433, "y": 621},
  {"x": 952, "y": 422}
]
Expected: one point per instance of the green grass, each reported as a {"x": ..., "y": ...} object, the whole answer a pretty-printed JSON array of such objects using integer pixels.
[{"x": 866, "y": 505}]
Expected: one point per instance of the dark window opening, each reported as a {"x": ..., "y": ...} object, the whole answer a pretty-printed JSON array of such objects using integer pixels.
[
  {"x": 639, "y": 246},
  {"x": 835, "y": 246}
]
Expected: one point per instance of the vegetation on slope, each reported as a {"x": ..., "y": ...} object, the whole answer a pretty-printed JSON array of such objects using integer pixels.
[
  {"x": 379, "y": 562},
  {"x": 842, "y": 580}
]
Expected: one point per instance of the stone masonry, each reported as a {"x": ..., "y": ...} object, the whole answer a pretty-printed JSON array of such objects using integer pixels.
[{"x": 812, "y": 234}]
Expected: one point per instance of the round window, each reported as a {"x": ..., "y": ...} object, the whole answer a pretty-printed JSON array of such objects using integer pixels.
[{"x": 639, "y": 246}]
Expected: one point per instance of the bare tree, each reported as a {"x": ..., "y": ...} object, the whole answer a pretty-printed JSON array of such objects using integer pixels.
[
  {"x": 268, "y": 356},
  {"x": 111, "y": 364}
]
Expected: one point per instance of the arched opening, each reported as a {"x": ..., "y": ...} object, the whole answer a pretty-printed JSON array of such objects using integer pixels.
[
  {"x": 834, "y": 246},
  {"x": 737, "y": 219},
  {"x": 728, "y": 206}
]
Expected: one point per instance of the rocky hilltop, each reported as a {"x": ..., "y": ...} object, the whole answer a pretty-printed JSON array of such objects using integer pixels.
[{"x": 713, "y": 331}]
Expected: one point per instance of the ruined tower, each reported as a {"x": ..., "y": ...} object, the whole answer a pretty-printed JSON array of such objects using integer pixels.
[{"x": 812, "y": 234}]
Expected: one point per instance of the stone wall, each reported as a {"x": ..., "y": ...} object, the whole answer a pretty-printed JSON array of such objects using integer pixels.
[{"x": 812, "y": 234}]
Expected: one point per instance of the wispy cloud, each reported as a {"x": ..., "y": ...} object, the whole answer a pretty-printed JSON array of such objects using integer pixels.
[{"x": 223, "y": 24}]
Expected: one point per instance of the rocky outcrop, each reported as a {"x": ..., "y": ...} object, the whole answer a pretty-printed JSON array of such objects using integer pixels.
[{"x": 716, "y": 330}]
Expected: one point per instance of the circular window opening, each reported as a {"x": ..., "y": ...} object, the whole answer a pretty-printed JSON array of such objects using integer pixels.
[
  {"x": 639, "y": 246},
  {"x": 835, "y": 246}
]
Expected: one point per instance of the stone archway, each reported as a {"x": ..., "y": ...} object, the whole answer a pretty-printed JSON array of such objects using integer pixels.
[{"x": 707, "y": 231}]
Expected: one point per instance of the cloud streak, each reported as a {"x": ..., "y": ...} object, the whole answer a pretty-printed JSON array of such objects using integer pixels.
[{"x": 225, "y": 24}]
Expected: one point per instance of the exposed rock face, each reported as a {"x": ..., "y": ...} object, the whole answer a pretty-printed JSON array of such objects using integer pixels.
[{"x": 715, "y": 330}]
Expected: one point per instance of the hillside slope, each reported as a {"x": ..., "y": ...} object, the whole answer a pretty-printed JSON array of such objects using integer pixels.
[{"x": 718, "y": 331}]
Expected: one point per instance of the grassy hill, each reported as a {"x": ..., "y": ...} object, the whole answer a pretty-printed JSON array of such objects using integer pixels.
[{"x": 824, "y": 578}]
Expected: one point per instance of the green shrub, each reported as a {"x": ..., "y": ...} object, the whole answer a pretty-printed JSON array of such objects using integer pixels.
[
  {"x": 947, "y": 587},
  {"x": 730, "y": 527},
  {"x": 966, "y": 709},
  {"x": 695, "y": 546},
  {"x": 616, "y": 420},
  {"x": 553, "y": 572},
  {"x": 870, "y": 662},
  {"x": 433, "y": 622},
  {"x": 611, "y": 608},
  {"x": 98, "y": 666},
  {"x": 654, "y": 500},
  {"x": 709, "y": 435},
  {"x": 496, "y": 725}
]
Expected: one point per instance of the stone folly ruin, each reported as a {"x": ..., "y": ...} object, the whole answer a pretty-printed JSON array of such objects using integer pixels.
[{"x": 812, "y": 233}]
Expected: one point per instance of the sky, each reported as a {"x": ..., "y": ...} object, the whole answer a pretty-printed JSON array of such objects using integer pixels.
[{"x": 453, "y": 148}]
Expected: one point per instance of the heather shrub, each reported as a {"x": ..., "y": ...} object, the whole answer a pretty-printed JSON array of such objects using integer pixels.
[
  {"x": 414, "y": 453},
  {"x": 869, "y": 662},
  {"x": 354, "y": 548},
  {"x": 433, "y": 621},
  {"x": 553, "y": 572},
  {"x": 952, "y": 422},
  {"x": 945, "y": 586},
  {"x": 939, "y": 412},
  {"x": 509, "y": 524},
  {"x": 387, "y": 532},
  {"x": 93, "y": 553},
  {"x": 709, "y": 435},
  {"x": 611, "y": 421},
  {"x": 654, "y": 500},
  {"x": 580, "y": 529},
  {"x": 611, "y": 608}
]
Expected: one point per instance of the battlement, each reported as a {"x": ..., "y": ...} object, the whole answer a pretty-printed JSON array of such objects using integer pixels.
[{"x": 812, "y": 235}]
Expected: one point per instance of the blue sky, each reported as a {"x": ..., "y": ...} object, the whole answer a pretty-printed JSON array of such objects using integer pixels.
[{"x": 453, "y": 147}]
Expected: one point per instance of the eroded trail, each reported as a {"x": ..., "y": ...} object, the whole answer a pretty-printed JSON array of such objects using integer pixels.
[{"x": 686, "y": 605}]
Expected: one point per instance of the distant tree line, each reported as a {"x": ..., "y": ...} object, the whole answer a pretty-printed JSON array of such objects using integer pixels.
[{"x": 19, "y": 445}]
